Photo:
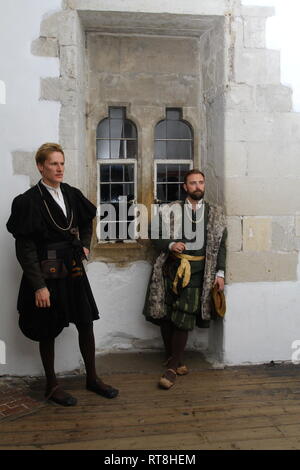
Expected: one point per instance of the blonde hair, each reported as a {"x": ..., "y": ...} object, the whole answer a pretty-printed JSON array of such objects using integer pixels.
[{"x": 44, "y": 151}]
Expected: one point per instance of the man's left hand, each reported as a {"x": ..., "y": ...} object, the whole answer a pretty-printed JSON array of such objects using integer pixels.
[
  {"x": 219, "y": 281},
  {"x": 86, "y": 251}
]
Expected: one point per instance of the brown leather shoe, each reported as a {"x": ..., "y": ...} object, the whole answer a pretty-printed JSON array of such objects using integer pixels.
[
  {"x": 182, "y": 370},
  {"x": 167, "y": 382}
]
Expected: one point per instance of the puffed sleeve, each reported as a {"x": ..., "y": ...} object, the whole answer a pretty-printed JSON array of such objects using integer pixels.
[
  {"x": 25, "y": 219},
  {"x": 25, "y": 223}
]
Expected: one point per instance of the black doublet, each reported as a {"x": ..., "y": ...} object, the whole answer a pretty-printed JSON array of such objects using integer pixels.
[{"x": 71, "y": 298}]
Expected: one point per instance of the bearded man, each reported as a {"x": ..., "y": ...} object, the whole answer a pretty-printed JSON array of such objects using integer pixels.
[{"x": 191, "y": 237}]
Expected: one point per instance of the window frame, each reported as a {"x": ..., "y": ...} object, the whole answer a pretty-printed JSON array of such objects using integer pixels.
[
  {"x": 115, "y": 161},
  {"x": 166, "y": 162}
]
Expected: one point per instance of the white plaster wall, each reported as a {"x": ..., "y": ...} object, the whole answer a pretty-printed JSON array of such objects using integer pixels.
[
  {"x": 262, "y": 323},
  {"x": 25, "y": 122}
]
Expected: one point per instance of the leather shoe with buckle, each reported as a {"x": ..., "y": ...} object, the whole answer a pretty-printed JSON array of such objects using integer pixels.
[
  {"x": 110, "y": 392},
  {"x": 68, "y": 399}
]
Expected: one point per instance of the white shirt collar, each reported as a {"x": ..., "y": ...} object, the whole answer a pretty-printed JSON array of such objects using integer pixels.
[
  {"x": 50, "y": 188},
  {"x": 198, "y": 206}
]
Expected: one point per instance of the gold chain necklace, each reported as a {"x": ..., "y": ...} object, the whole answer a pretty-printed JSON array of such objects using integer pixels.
[
  {"x": 58, "y": 226},
  {"x": 191, "y": 219}
]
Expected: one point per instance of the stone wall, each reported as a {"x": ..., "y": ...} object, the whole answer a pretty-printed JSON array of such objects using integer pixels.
[{"x": 262, "y": 171}]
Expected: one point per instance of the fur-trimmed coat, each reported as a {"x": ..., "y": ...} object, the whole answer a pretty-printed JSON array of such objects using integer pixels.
[{"x": 216, "y": 233}]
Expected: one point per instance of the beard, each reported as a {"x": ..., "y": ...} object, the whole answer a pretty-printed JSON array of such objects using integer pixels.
[{"x": 196, "y": 195}]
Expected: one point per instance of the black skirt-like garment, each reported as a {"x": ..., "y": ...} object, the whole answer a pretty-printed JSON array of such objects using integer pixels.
[{"x": 71, "y": 299}]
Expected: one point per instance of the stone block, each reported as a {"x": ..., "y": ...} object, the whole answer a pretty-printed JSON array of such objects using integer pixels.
[
  {"x": 69, "y": 61},
  {"x": 257, "y": 232},
  {"x": 68, "y": 127},
  {"x": 254, "y": 32},
  {"x": 262, "y": 127},
  {"x": 248, "y": 126},
  {"x": 69, "y": 29},
  {"x": 257, "y": 66},
  {"x": 234, "y": 240},
  {"x": 149, "y": 89},
  {"x": 283, "y": 233},
  {"x": 235, "y": 159},
  {"x": 162, "y": 55},
  {"x": 49, "y": 25},
  {"x": 273, "y": 98},
  {"x": 147, "y": 54},
  {"x": 104, "y": 53},
  {"x": 51, "y": 89},
  {"x": 241, "y": 97},
  {"x": 286, "y": 127},
  {"x": 47, "y": 47},
  {"x": 201, "y": 7},
  {"x": 72, "y": 168},
  {"x": 24, "y": 164},
  {"x": 59, "y": 89},
  {"x": 261, "y": 267},
  {"x": 273, "y": 158},
  {"x": 261, "y": 196}
]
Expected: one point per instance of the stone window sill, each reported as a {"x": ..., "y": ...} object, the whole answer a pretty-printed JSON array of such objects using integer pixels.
[{"x": 122, "y": 253}]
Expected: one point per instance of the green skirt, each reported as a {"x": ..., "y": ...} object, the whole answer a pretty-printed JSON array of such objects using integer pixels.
[{"x": 184, "y": 310}]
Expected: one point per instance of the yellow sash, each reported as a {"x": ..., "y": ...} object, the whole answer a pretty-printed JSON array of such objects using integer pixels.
[{"x": 184, "y": 269}]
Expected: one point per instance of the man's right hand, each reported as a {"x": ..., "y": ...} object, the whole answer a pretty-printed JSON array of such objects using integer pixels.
[
  {"x": 178, "y": 247},
  {"x": 42, "y": 297}
]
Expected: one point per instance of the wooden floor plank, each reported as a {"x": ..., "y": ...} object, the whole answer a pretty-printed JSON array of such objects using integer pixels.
[{"x": 238, "y": 408}]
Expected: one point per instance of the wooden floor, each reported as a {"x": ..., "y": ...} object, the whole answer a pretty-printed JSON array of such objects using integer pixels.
[{"x": 255, "y": 407}]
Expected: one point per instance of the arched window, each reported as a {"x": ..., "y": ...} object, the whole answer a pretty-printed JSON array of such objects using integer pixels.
[
  {"x": 173, "y": 155},
  {"x": 116, "y": 160}
]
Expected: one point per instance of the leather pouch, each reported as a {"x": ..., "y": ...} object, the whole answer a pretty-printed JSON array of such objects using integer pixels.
[{"x": 54, "y": 269}]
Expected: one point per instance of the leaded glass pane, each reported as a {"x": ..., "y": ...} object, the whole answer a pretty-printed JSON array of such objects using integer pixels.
[
  {"x": 161, "y": 192},
  {"x": 103, "y": 149},
  {"x": 117, "y": 173},
  {"x": 173, "y": 173},
  {"x": 160, "y": 149},
  {"x": 129, "y": 173},
  {"x": 117, "y": 149},
  {"x": 161, "y": 173},
  {"x": 128, "y": 190},
  {"x": 116, "y": 113},
  {"x": 172, "y": 192},
  {"x": 179, "y": 149},
  {"x": 178, "y": 130},
  {"x": 173, "y": 114},
  {"x": 129, "y": 130},
  {"x": 116, "y": 129},
  {"x": 104, "y": 191},
  {"x": 116, "y": 192},
  {"x": 169, "y": 181},
  {"x": 104, "y": 173},
  {"x": 161, "y": 130},
  {"x": 103, "y": 129},
  {"x": 131, "y": 148}
]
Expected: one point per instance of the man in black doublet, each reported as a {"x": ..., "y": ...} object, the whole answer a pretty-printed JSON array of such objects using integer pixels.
[{"x": 52, "y": 226}]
